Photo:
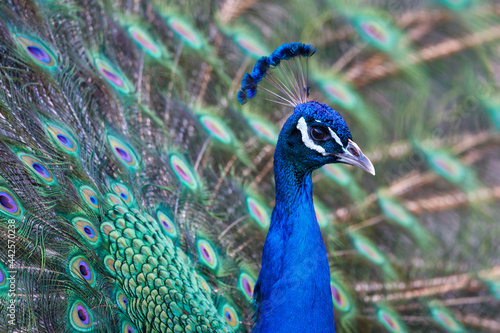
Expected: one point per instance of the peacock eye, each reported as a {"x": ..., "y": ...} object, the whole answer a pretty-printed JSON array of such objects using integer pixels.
[{"x": 318, "y": 133}]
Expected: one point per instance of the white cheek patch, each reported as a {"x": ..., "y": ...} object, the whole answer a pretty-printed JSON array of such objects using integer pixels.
[
  {"x": 302, "y": 127},
  {"x": 335, "y": 137}
]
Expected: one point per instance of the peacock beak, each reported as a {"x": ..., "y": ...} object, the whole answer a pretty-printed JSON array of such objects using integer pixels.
[{"x": 354, "y": 156}]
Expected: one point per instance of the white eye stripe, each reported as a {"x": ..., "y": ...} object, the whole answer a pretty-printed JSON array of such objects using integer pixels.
[
  {"x": 335, "y": 137},
  {"x": 302, "y": 127}
]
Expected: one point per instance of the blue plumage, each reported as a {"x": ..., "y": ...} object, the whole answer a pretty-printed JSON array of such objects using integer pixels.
[{"x": 293, "y": 289}]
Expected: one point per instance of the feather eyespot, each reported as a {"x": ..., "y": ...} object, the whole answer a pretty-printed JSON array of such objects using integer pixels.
[
  {"x": 109, "y": 263},
  {"x": 339, "y": 297},
  {"x": 38, "y": 52},
  {"x": 395, "y": 211},
  {"x": 230, "y": 315},
  {"x": 378, "y": 32},
  {"x": 389, "y": 321},
  {"x": 216, "y": 128},
  {"x": 81, "y": 317},
  {"x": 123, "y": 193},
  {"x": 369, "y": 251},
  {"x": 183, "y": 171},
  {"x": 123, "y": 152},
  {"x": 207, "y": 254},
  {"x": 63, "y": 139},
  {"x": 112, "y": 75},
  {"x": 114, "y": 199},
  {"x": 339, "y": 93},
  {"x": 145, "y": 41},
  {"x": 258, "y": 212},
  {"x": 321, "y": 214},
  {"x": 264, "y": 130},
  {"x": 37, "y": 167},
  {"x": 81, "y": 268},
  {"x": 128, "y": 328},
  {"x": 3, "y": 277},
  {"x": 9, "y": 204},
  {"x": 167, "y": 224},
  {"x": 445, "y": 318},
  {"x": 337, "y": 173},
  {"x": 122, "y": 301},
  {"x": 374, "y": 30},
  {"x": 246, "y": 284},
  {"x": 87, "y": 230},
  {"x": 250, "y": 45},
  {"x": 185, "y": 31},
  {"x": 90, "y": 197},
  {"x": 447, "y": 166}
]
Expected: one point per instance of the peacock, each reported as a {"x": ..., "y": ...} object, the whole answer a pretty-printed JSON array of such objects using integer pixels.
[
  {"x": 137, "y": 193},
  {"x": 314, "y": 135}
]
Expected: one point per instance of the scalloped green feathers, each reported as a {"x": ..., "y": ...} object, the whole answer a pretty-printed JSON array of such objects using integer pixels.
[{"x": 147, "y": 261}]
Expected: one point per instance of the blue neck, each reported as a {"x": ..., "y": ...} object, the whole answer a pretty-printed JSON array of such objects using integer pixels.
[{"x": 293, "y": 290}]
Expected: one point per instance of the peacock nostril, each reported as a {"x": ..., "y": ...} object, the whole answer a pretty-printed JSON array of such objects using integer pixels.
[{"x": 353, "y": 151}]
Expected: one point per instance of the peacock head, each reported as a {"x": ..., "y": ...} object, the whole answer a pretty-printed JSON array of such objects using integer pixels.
[{"x": 315, "y": 135}]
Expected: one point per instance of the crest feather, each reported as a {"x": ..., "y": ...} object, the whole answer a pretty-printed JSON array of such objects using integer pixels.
[{"x": 286, "y": 83}]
